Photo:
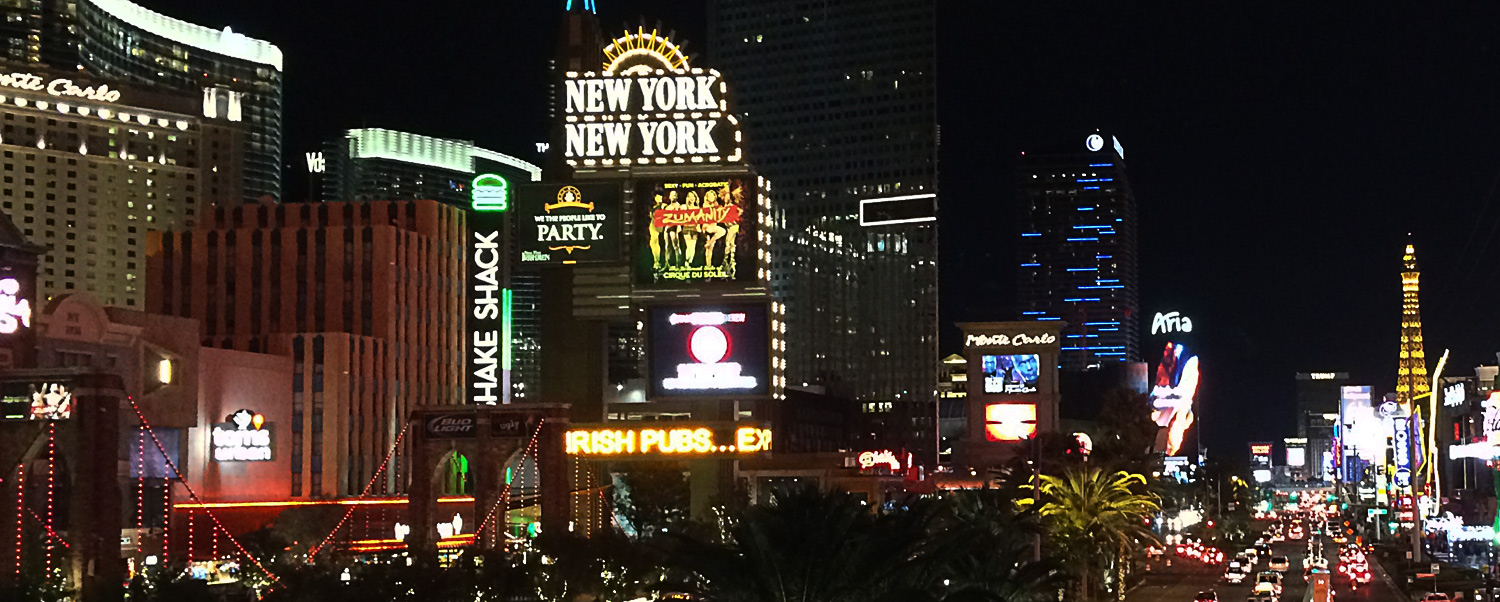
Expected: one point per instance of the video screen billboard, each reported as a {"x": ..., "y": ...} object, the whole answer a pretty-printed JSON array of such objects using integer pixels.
[
  {"x": 1009, "y": 421},
  {"x": 698, "y": 230},
  {"x": 1172, "y": 396},
  {"x": 1363, "y": 430},
  {"x": 1011, "y": 373},
  {"x": 710, "y": 350},
  {"x": 568, "y": 222}
]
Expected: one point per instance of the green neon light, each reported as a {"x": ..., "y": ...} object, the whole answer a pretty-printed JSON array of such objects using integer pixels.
[
  {"x": 490, "y": 192},
  {"x": 505, "y": 323}
]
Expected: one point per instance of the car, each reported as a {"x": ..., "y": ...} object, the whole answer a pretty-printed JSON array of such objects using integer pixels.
[
  {"x": 1207, "y": 596},
  {"x": 1279, "y": 563},
  {"x": 1436, "y": 597},
  {"x": 1268, "y": 582}
]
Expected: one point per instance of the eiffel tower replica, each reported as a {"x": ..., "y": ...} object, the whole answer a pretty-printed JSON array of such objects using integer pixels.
[{"x": 1411, "y": 378}]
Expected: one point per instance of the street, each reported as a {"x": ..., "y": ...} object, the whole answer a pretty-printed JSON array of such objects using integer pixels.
[{"x": 1186, "y": 577}]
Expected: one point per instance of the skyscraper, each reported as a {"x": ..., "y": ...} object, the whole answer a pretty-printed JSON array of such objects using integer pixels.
[
  {"x": 1411, "y": 376},
  {"x": 238, "y": 77},
  {"x": 88, "y": 174},
  {"x": 839, "y": 113},
  {"x": 1077, "y": 249}
]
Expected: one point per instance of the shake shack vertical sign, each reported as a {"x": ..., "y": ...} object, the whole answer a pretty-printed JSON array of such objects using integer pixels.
[
  {"x": 568, "y": 222},
  {"x": 456, "y": 425},
  {"x": 489, "y": 302}
]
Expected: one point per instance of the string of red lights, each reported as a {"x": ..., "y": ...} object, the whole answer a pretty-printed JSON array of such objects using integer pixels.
[
  {"x": 505, "y": 493},
  {"x": 172, "y": 466},
  {"x": 391, "y": 454}
]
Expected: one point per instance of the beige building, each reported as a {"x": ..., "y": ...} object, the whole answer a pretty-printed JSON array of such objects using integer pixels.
[{"x": 87, "y": 168}]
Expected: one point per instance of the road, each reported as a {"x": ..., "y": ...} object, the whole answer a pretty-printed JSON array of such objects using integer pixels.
[{"x": 1186, "y": 577}]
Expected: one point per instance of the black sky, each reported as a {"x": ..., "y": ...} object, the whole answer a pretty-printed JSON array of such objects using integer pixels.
[{"x": 1279, "y": 153}]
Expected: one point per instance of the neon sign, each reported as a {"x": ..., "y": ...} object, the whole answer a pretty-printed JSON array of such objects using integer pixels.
[
  {"x": 490, "y": 324},
  {"x": 1009, "y": 421},
  {"x": 1094, "y": 143},
  {"x": 15, "y": 312},
  {"x": 1001, "y": 340},
  {"x": 245, "y": 438},
  {"x": 1170, "y": 322},
  {"x": 1401, "y": 443},
  {"x": 316, "y": 163},
  {"x": 675, "y": 441},
  {"x": 568, "y": 222},
  {"x": 648, "y": 116},
  {"x": 884, "y": 457},
  {"x": 52, "y": 401},
  {"x": 490, "y": 192},
  {"x": 58, "y": 87},
  {"x": 1454, "y": 395}
]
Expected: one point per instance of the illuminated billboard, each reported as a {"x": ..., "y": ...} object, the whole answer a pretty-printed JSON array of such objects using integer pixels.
[
  {"x": 711, "y": 350},
  {"x": 245, "y": 438},
  {"x": 1010, "y": 373},
  {"x": 1172, "y": 396},
  {"x": 568, "y": 222},
  {"x": 648, "y": 116},
  {"x": 625, "y": 439},
  {"x": 1363, "y": 431},
  {"x": 698, "y": 230},
  {"x": 489, "y": 301},
  {"x": 1009, "y": 421}
]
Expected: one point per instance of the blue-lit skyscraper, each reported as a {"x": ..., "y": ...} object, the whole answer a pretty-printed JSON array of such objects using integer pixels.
[{"x": 1077, "y": 249}]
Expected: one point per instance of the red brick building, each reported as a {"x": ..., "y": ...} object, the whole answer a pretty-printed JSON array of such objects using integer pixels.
[{"x": 365, "y": 297}]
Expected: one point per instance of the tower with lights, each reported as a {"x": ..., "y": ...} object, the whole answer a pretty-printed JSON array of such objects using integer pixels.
[{"x": 1411, "y": 378}]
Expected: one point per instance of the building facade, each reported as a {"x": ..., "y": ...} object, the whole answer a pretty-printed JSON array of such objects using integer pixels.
[
  {"x": 366, "y": 298},
  {"x": 379, "y": 164},
  {"x": 1077, "y": 250},
  {"x": 90, "y": 167},
  {"x": 839, "y": 114},
  {"x": 236, "y": 78}
]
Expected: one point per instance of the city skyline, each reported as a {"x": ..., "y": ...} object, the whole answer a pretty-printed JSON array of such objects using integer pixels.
[{"x": 1291, "y": 138}]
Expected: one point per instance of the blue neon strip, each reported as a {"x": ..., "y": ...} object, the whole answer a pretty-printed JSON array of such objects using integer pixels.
[
  {"x": 1106, "y": 179},
  {"x": 1101, "y": 323},
  {"x": 1028, "y": 234},
  {"x": 1111, "y": 353},
  {"x": 1083, "y": 240},
  {"x": 1087, "y": 180},
  {"x": 1031, "y": 265},
  {"x": 1104, "y": 281},
  {"x": 1083, "y": 269},
  {"x": 1092, "y": 227},
  {"x": 1033, "y": 313},
  {"x": 1101, "y": 165},
  {"x": 1103, "y": 256},
  {"x": 1039, "y": 319},
  {"x": 1074, "y": 336},
  {"x": 1108, "y": 286},
  {"x": 1081, "y": 300},
  {"x": 1090, "y": 187},
  {"x": 1086, "y": 208},
  {"x": 1109, "y": 330}
]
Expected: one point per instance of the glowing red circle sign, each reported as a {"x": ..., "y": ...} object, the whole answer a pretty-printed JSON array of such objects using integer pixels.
[{"x": 708, "y": 344}]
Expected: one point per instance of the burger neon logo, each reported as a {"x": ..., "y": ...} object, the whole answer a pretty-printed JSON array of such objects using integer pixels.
[{"x": 490, "y": 192}]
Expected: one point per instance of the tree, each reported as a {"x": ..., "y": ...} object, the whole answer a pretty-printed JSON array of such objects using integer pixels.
[
  {"x": 811, "y": 546},
  {"x": 652, "y": 496},
  {"x": 988, "y": 547},
  {"x": 1126, "y": 432},
  {"x": 1096, "y": 518}
]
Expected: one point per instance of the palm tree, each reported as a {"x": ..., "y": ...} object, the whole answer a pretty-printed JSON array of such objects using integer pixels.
[
  {"x": 1096, "y": 517},
  {"x": 988, "y": 545}
]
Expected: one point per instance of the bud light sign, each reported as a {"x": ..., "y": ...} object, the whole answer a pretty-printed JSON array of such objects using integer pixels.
[{"x": 459, "y": 425}]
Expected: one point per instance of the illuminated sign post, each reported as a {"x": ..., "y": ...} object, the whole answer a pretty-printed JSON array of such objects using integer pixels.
[
  {"x": 488, "y": 357},
  {"x": 625, "y": 440}
]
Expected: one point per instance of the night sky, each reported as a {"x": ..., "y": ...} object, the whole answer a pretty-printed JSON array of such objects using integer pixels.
[{"x": 1279, "y": 154}]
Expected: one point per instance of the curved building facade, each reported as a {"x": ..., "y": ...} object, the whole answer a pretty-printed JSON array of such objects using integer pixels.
[{"x": 239, "y": 77}]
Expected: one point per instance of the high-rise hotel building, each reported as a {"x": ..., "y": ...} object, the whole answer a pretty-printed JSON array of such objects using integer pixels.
[
  {"x": 236, "y": 78},
  {"x": 365, "y": 297},
  {"x": 1077, "y": 249},
  {"x": 838, "y": 102},
  {"x": 89, "y": 167}
]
